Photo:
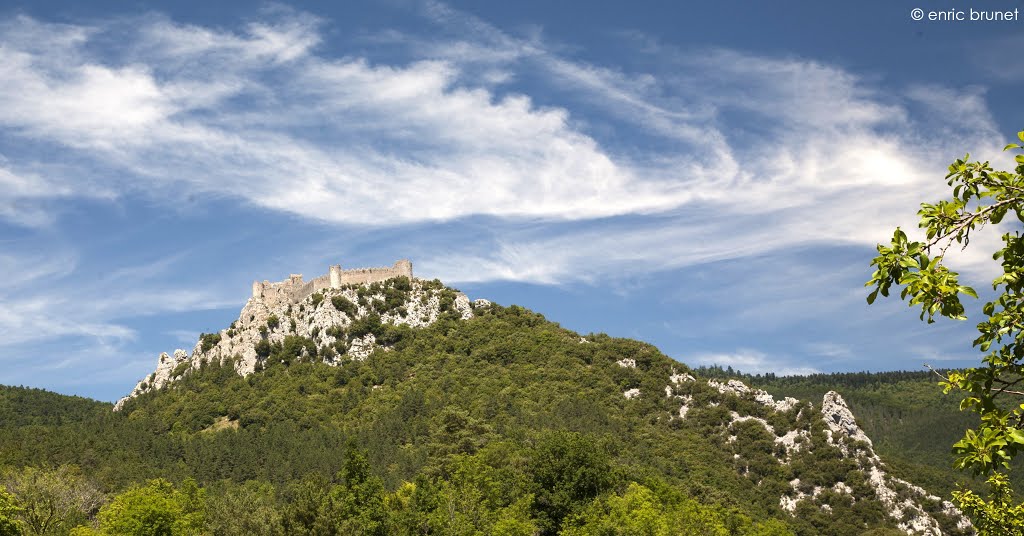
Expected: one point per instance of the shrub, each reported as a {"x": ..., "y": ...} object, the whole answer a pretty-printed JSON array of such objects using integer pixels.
[
  {"x": 273, "y": 322},
  {"x": 317, "y": 298},
  {"x": 180, "y": 369},
  {"x": 263, "y": 349},
  {"x": 401, "y": 283},
  {"x": 362, "y": 326},
  {"x": 209, "y": 340},
  {"x": 344, "y": 305}
]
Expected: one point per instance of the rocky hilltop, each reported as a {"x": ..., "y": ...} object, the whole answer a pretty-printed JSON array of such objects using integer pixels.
[
  {"x": 808, "y": 460},
  {"x": 345, "y": 320}
]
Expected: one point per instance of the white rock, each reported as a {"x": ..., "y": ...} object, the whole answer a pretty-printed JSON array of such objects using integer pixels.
[
  {"x": 362, "y": 347},
  {"x": 792, "y": 441},
  {"x": 839, "y": 418},
  {"x": 685, "y": 408},
  {"x": 736, "y": 417},
  {"x": 677, "y": 378},
  {"x": 631, "y": 393},
  {"x": 238, "y": 343},
  {"x": 762, "y": 397},
  {"x": 626, "y": 363}
]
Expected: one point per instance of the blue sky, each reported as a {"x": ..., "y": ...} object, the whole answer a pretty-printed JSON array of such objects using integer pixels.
[{"x": 710, "y": 177}]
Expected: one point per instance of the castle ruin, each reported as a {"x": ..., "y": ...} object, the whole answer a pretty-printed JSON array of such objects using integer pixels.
[{"x": 294, "y": 289}]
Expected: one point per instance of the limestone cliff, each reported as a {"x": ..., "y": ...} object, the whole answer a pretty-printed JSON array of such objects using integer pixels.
[
  {"x": 328, "y": 317},
  {"x": 795, "y": 430}
]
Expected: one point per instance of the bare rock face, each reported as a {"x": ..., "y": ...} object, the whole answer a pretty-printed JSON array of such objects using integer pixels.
[
  {"x": 166, "y": 367},
  {"x": 839, "y": 418},
  {"x": 323, "y": 316},
  {"x": 739, "y": 388},
  {"x": 903, "y": 501}
]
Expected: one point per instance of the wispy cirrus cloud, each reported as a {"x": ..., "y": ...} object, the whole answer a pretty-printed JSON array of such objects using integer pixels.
[
  {"x": 577, "y": 171},
  {"x": 419, "y": 142},
  {"x": 407, "y": 140}
]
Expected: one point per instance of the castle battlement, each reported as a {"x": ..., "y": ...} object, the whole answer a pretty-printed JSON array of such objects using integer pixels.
[{"x": 294, "y": 289}]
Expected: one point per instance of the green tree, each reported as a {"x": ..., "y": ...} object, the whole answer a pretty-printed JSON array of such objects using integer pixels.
[
  {"x": 569, "y": 470},
  {"x": 53, "y": 501},
  {"x": 245, "y": 509},
  {"x": 358, "y": 503},
  {"x": 980, "y": 196},
  {"x": 637, "y": 512},
  {"x": 9, "y": 524},
  {"x": 157, "y": 509}
]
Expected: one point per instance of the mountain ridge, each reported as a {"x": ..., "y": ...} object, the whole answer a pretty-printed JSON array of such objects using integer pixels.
[{"x": 449, "y": 377}]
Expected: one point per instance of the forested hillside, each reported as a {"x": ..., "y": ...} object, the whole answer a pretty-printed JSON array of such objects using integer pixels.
[
  {"x": 504, "y": 423},
  {"x": 911, "y": 422}
]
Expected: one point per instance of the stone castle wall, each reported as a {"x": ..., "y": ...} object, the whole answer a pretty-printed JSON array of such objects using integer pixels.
[{"x": 294, "y": 289}]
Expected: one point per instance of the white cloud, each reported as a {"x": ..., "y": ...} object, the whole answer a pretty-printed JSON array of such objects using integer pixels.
[
  {"x": 45, "y": 300},
  {"x": 710, "y": 155},
  {"x": 403, "y": 143},
  {"x": 832, "y": 158}
]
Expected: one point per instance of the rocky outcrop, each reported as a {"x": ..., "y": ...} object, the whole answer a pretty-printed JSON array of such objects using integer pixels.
[
  {"x": 762, "y": 397},
  {"x": 325, "y": 317},
  {"x": 902, "y": 500},
  {"x": 839, "y": 418},
  {"x": 913, "y": 510}
]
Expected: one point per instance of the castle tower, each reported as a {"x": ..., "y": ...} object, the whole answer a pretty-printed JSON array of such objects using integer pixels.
[
  {"x": 257, "y": 289},
  {"x": 335, "y": 275},
  {"x": 295, "y": 279},
  {"x": 403, "y": 267}
]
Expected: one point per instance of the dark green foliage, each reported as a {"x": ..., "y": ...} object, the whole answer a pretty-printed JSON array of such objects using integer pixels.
[
  {"x": 209, "y": 340},
  {"x": 179, "y": 369},
  {"x": 273, "y": 322},
  {"x": 344, "y": 305},
  {"x": 502, "y": 424},
  {"x": 365, "y": 325},
  {"x": 247, "y": 509},
  {"x": 263, "y": 349},
  {"x": 317, "y": 298},
  {"x": 569, "y": 470}
]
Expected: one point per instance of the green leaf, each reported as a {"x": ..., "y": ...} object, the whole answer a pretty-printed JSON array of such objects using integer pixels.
[
  {"x": 872, "y": 296},
  {"x": 968, "y": 291},
  {"x": 1011, "y": 146},
  {"x": 1020, "y": 135}
]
